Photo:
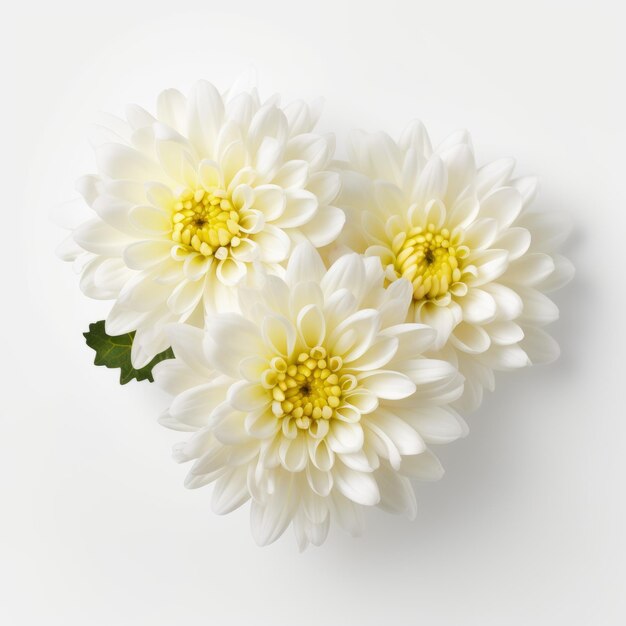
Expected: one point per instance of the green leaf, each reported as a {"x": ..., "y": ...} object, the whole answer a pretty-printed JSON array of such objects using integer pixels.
[{"x": 114, "y": 352}]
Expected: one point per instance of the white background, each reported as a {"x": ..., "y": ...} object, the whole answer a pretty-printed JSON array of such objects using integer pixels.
[{"x": 527, "y": 526}]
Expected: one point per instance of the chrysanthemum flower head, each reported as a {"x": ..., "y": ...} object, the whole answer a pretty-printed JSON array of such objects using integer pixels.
[
  {"x": 208, "y": 194},
  {"x": 478, "y": 259},
  {"x": 313, "y": 401}
]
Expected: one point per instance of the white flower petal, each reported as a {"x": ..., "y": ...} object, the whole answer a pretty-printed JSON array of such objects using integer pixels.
[
  {"x": 119, "y": 161},
  {"x": 232, "y": 160},
  {"x": 300, "y": 117},
  {"x": 304, "y": 264},
  {"x": 98, "y": 237},
  {"x": 503, "y": 204},
  {"x": 505, "y": 357},
  {"x": 268, "y": 521},
  {"x": 172, "y": 109},
  {"x": 362, "y": 400},
  {"x": 175, "y": 376},
  {"x": 279, "y": 334},
  {"x": 273, "y": 244},
  {"x": 530, "y": 269},
  {"x": 563, "y": 272},
  {"x": 396, "y": 493},
  {"x": 245, "y": 396},
  {"x": 326, "y": 226},
  {"x": 401, "y": 433},
  {"x": 311, "y": 325},
  {"x": 247, "y": 251},
  {"x": 146, "y": 254},
  {"x": 210, "y": 175},
  {"x": 432, "y": 182},
  {"x": 538, "y": 308},
  {"x": 268, "y": 158},
  {"x": 303, "y": 295},
  {"x": 344, "y": 438},
  {"x": 515, "y": 241},
  {"x": 230, "y": 271},
  {"x": 339, "y": 306},
  {"x": 321, "y": 455},
  {"x": 348, "y": 514},
  {"x": 142, "y": 293},
  {"x": 478, "y": 307},
  {"x": 461, "y": 169},
  {"x": 175, "y": 155},
  {"x": 376, "y": 153},
  {"x": 481, "y": 234},
  {"x": 549, "y": 230},
  {"x": 212, "y": 459},
  {"x": 353, "y": 337},
  {"x": 325, "y": 186},
  {"x": 436, "y": 424},
  {"x": 321, "y": 482},
  {"x": 270, "y": 200},
  {"x": 188, "y": 345},
  {"x": 413, "y": 339},
  {"x": 186, "y": 295},
  {"x": 387, "y": 384},
  {"x": 69, "y": 250},
  {"x": 194, "y": 406},
  {"x": 301, "y": 207},
  {"x": 493, "y": 175},
  {"x": 527, "y": 187},
  {"x": 261, "y": 424},
  {"x": 103, "y": 278},
  {"x": 268, "y": 122},
  {"x": 315, "y": 149},
  {"x": 229, "y": 426},
  {"x": 423, "y": 466},
  {"x": 196, "y": 266},
  {"x": 294, "y": 453},
  {"x": 380, "y": 352},
  {"x": 471, "y": 338},
  {"x": 230, "y": 491},
  {"x": 491, "y": 264},
  {"x": 539, "y": 345},
  {"x": 234, "y": 339},
  {"x": 148, "y": 341},
  {"x": 115, "y": 212},
  {"x": 509, "y": 304},
  {"x": 359, "y": 487},
  {"x": 89, "y": 187},
  {"x": 425, "y": 372},
  {"x": 347, "y": 272},
  {"x": 206, "y": 112},
  {"x": 442, "y": 319},
  {"x": 292, "y": 174},
  {"x": 416, "y": 137},
  {"x": 504, "y": 333}
]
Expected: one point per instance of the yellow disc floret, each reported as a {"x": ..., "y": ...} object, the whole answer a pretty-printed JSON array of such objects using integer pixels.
[
  {"x": 429, "y": 260},
  {"x": 306, "y": 390},
  {"x": 206, "y": 221}
]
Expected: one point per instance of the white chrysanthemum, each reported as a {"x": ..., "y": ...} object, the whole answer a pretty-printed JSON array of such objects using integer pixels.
[
  {"x": 211, "y": 192},
  {"x": 314, "y": 401},
  {"x": 479, "y": 260}
]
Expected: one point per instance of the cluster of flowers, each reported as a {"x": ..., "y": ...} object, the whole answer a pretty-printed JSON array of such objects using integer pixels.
[{"x": 329, "y": 319}]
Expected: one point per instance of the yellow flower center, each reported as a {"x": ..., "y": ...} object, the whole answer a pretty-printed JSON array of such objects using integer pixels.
[
  {"x": 307, "y": 390},
  {"x": 427, "y": 258},
  {"x": 206, "y": 221}
]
